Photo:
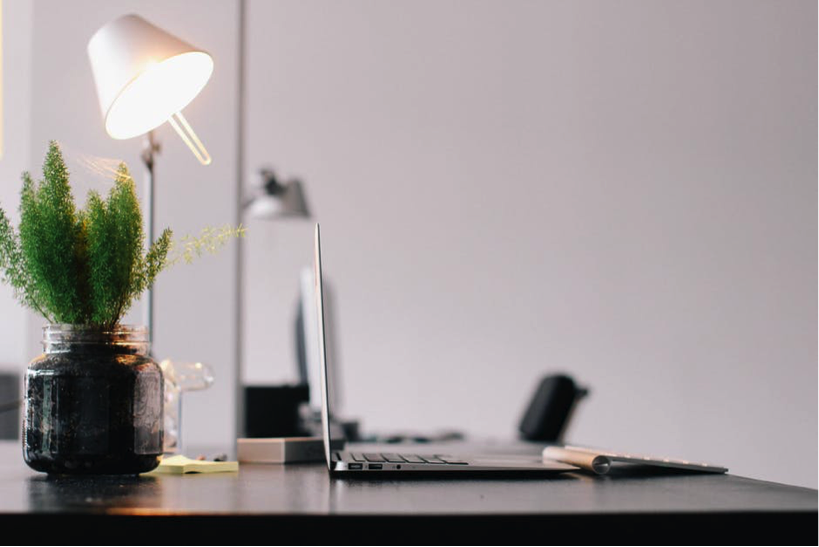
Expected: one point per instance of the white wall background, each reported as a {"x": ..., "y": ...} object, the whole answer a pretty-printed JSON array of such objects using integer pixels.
[
  {"x": 17, "y": 44},
  {"x": 622, "y": 190}
]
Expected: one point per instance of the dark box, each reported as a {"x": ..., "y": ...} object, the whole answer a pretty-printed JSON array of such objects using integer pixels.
[{"x": 273, "y": 411}]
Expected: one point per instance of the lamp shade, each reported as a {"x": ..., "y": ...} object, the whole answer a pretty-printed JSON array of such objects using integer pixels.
[
  {"x": 143, "y": 75},
  {"x": 288, "y": 202}
]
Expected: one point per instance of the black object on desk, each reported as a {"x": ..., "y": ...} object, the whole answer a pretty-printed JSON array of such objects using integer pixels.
[
  {"x": 273, "y": 411},
  {"x": 550, "y": 409}
]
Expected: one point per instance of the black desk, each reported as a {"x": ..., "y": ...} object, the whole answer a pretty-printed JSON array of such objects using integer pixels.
[{"x": 303, "y": 497}]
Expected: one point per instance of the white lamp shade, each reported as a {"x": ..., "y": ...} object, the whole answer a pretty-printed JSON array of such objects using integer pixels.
[{"x": 143, "y": 75}]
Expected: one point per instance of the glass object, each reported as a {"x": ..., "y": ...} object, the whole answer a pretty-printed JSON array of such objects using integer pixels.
[
  {"x": 180, "y": 376},
  {"x": 93, "y": 403}
]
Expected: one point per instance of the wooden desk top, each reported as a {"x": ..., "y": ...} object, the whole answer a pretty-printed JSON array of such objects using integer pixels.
[{"x": 306, "y": 490}]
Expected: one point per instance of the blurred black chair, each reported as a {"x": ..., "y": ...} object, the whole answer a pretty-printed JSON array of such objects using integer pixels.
[{"x": 550, "y": 409}]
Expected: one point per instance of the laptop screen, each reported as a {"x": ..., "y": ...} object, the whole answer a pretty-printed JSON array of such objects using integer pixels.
[{"x": 324, "y": 376}]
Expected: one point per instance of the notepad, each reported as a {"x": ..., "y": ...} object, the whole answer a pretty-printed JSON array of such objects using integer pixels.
[
  {"x": 179, "y": 465},
  {"x": 600, "y": 461}
]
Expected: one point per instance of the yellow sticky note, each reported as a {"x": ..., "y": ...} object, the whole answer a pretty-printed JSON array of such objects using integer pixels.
[{"x": 178, "y": 465}]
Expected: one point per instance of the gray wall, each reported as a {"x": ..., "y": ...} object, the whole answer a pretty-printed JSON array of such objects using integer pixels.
[
  {"x": 16, "y": 132},
  {"x": 16, "y": 121},
  {"x": 622, "y": 190}
]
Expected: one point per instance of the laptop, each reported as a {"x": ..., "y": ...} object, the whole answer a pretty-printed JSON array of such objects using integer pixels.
[{"x": 373, "y": 463}]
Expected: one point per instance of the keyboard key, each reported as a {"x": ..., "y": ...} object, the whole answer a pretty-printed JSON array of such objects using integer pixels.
[
  {"x": 356, "y": 456},
  {"x": 413, "y": 459},
  {"x": 450, "y": 459},
  {"x": 432, "y": 459},
  {"x": 373, "y": 457},
  {"x": 393, "y": 458}
]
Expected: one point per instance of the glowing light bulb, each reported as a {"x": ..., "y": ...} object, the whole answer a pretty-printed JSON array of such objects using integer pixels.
[{"x": 157, "y": 93}]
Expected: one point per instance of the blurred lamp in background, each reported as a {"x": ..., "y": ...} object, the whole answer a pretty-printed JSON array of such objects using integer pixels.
[
  {"x": 145, "y": 77},
  {"x": 276, "y": 200}
]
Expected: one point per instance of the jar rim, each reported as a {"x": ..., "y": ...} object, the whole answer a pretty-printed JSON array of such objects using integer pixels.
[
  {"x": 62, "y": 333},
  {"x": 57, "y": 328}
]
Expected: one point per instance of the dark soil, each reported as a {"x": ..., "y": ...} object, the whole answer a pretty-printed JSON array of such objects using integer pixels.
[{"x": 93, "y": 411}]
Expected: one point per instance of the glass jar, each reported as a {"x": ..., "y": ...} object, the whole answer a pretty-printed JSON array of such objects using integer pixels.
[
  {"x": 180, "y": 377},
  {"x": 93, "y": 402}
]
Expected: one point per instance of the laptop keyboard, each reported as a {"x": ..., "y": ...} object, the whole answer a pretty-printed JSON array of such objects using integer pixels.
[{"x": 385, "y": 457}]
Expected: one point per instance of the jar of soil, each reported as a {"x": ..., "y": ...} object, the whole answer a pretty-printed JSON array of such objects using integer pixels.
[{"x": 93, "y": 402}]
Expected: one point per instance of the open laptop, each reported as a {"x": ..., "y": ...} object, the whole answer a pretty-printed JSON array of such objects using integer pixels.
[{"x": 371, "y": 463}]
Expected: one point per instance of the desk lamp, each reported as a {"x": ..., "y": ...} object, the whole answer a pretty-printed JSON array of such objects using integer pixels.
[
  {"x": 145, "y": 77},
  {"x": 277, "y": 200}
]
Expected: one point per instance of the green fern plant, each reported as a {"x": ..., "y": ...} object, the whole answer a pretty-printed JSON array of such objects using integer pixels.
[{"x": 85, "y": 266}]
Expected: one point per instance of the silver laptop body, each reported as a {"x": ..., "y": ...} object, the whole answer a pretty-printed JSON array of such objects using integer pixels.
[{"x": 374, "y": 463}]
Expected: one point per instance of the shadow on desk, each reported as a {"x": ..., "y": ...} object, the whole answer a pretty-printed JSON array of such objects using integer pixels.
[
  {"x": 461, "y": 476},
  {"x": 615, "y": 474}
]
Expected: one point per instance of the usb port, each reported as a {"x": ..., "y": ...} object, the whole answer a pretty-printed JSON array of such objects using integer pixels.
[
  {"x": 354, "y": 466},
  {"x": 375, "y": 466}
]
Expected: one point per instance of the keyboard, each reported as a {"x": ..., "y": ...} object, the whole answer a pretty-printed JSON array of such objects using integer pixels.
[{"x": 384, "y": 457}]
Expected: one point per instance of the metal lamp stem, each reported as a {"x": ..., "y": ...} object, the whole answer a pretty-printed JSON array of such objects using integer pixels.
[{"x": 149, "y": 151}]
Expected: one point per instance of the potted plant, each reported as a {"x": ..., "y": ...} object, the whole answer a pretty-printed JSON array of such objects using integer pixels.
[{"x": 94, "y": 398}]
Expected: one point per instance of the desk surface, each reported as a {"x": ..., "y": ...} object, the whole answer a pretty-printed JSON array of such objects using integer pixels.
[{"x": 307, "y": 490}]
